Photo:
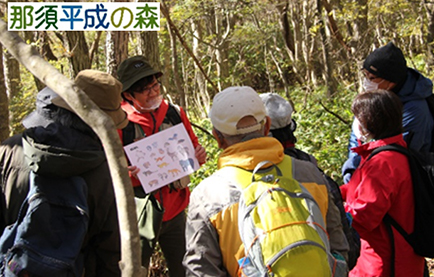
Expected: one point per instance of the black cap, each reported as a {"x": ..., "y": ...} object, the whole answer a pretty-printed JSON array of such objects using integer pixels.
[{"x": 387, "y": 62}]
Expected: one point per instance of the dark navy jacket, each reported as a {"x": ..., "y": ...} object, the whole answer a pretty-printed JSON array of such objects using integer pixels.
[{"x": 416, "y": 119}]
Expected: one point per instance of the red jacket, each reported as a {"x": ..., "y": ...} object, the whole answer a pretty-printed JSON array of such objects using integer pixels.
[
  {"x": 174, "y": 202},
  {"x": 382, "y": 185}
]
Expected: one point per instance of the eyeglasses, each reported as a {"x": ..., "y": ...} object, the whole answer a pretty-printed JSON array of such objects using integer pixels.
[{"x": 147, "y": 90}]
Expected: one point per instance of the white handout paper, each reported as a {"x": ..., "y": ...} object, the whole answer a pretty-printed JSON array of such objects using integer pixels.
[{"x": 163, "y": 157}]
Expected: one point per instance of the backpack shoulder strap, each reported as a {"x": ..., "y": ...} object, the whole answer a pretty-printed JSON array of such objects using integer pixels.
[
  {"x": 128, "y": 133},
  {"x": 131, "y": 133},
  {"x": 430, "y": 102},
  {"x": 388, "y": 220},
  {"x": 173, "y": 114},
  {"x": 390, "y": 147}
]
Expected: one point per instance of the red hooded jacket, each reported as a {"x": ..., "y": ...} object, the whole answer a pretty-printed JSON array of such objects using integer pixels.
[
  {"x": 174, "y": 201},
  {"x": 382, "y": 185}
]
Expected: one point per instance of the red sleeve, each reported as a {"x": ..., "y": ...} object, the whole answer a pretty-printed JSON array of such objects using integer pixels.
[{"x": 344, "y": 189}]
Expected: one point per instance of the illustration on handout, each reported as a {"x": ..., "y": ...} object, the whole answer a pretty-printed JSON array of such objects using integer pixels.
[{"x": 163, "y": 157}]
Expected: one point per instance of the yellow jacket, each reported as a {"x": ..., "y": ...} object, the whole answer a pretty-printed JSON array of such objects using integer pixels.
[{"x": 213, "y": 241}]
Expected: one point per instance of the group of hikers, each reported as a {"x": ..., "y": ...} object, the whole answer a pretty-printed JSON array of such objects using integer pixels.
[{"x": 200, "y": 233}]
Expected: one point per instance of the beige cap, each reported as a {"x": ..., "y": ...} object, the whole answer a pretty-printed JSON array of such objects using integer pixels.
[
  {"x": 233, "y": 104},
  {"x": 104, "y": 90}
]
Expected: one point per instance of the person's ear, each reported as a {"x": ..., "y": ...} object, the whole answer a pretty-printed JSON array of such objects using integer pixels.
[
  {"x": 128, "y": 95},
  {"x": 391, "y": 86},
  {"x": 267, "y": 125},
  {"x": 220, "y": 138}
]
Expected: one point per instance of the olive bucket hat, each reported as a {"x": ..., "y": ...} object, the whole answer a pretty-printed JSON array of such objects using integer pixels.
[
  {"x": 133, "y": 69},
  {"x": 104, "y": 90}
]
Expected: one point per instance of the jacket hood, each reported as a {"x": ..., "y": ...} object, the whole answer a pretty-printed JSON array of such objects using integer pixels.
[
  {"x": 61, "y": 152},
  {"x": 249, "y": 153},
  {"x": 415, "y": 87}
]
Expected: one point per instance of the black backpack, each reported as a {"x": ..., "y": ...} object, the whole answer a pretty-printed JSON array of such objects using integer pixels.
[
  {"x": 47, "y": 238},
  {"x": 430, "y": 101},
  {"x": 422, "y": 175},
  {"x": 351, "y": 234}
]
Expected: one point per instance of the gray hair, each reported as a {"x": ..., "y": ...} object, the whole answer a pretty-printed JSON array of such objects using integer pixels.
[{"x": 233, "y": 139}]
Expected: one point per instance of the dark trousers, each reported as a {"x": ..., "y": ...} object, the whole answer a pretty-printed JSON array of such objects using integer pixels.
[{"x": 172, "y": 243}]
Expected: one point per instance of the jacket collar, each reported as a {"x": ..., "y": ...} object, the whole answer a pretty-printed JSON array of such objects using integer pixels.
[
  {"x": 366, "y": 149},
  {"x": 249, "y": 153},
  {"x": 150, "y": 121}
]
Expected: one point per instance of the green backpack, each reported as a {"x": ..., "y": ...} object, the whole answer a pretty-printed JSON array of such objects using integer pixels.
[{"x": 280, "y": 224}]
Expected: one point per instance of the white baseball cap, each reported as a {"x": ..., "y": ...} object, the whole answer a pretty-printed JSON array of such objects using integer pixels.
[
  {"x": 278, "y": 109},
  {"x": 234, "y": 103}
]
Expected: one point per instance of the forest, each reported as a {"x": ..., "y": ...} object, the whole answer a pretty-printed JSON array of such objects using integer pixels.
[{"x": 309, "y": 51}]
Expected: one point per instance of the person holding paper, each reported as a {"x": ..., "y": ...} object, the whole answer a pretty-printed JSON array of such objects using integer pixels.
[{"x": 150, "y": 114}]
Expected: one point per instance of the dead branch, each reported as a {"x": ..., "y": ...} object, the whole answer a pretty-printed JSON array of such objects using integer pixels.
[{"x": 333, "y": 113}]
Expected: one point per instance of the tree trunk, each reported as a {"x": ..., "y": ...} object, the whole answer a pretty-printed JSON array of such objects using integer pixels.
[
  {"x": 94, "y": 47},
  {"x": 117, "y": 50},
  {"x": 148, "y": 47},
  {"x": 103, "y": 126},
  {"x": 289, "y": 40},
  {"x": 203, "y": 99},
  {"x": 77, "y": 52},
  {"x": 362, "y": 40},
  {"x": 4, "y": 103},
  {"x": 12, "y": 75},
  {"x": 175, "y": 68},
  {"x": 284, "y": 26},
  {"x": 327, "y": 66},
  {"x": 429, "y": 8}
]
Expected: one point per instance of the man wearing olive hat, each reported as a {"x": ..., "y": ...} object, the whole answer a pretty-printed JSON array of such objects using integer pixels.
[
  {"x": 150, "y": 113},
  {"x": 58, "y": 144},
  {"x": 386, "y": 68}
]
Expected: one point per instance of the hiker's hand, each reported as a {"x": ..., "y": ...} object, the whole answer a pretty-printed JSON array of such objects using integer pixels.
[
  {"x": 133, "y": 170},
  {"x": 200, "y": 154}
]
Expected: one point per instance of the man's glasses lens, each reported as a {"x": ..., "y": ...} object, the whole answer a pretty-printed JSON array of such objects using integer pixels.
[{"x": 147, "y": 90}]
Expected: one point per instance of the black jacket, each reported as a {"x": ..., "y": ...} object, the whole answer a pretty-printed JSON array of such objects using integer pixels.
[{"x": 64, "y": 152}]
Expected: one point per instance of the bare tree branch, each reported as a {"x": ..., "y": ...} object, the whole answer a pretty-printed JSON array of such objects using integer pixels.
[
  {"x": 94, "y": 46},
  {"x": 333, "y": 113}
]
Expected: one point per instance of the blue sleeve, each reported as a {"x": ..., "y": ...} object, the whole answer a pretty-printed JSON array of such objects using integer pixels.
[
  {"x": 352, "y": 142},
  {"x": 353, "y": 160},
  {"x": 418, "y": 125}
]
